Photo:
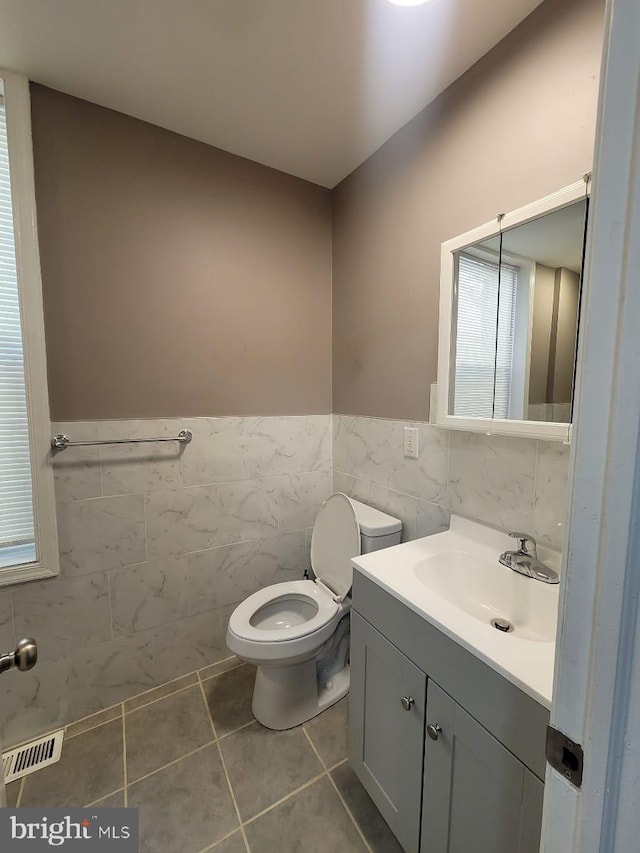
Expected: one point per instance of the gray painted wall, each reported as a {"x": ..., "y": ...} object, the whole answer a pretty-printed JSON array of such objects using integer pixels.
[
  {"x": 519, "y": 125},
  {"x": 178, "y": 280}
]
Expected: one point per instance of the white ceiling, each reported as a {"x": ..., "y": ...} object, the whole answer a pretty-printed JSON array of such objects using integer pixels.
[{"x": 310, "y": 87}]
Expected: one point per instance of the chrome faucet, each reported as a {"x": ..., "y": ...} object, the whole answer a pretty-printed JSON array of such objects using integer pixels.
[{"x": 525, "y": 560}]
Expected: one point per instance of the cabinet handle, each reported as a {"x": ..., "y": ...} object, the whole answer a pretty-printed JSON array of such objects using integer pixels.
[
  {"x": 407, "y": 702},
  {"x": 434, "y": 731}
]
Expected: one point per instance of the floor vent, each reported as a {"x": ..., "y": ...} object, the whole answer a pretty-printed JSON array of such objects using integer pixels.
[{"x": 32, "y": 756}]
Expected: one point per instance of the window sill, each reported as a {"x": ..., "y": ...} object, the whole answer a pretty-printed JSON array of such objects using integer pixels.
[{"x": 10, "y": 575}]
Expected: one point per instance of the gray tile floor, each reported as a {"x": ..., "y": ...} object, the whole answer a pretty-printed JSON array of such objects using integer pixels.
[{"x": 206, "y": 776}]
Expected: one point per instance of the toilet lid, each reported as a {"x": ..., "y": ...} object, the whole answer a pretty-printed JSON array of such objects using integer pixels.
[{"x": 335, "y": 541}]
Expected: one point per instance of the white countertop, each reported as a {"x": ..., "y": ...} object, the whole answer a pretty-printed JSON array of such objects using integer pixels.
[{"x": 461, "y": 565}]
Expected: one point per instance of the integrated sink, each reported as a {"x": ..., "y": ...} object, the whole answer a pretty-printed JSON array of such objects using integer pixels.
[
  {"x": 454, "y": 580},
  {"x": 490, "y": 593}
]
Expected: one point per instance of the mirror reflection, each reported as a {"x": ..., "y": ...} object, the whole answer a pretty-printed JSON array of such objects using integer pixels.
[{"x": 516, "y": 307}]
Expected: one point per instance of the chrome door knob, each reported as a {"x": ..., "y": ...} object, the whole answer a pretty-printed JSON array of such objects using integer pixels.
[
  {"x": 24, "y": 657},
  {"x": 407, "y": 702},
  {"x": 26, "y": 654},
  {"x": 434, "y": 731}
]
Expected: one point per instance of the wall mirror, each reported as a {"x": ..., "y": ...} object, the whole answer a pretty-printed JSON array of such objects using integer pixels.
[{"x": 509, "y": 317}]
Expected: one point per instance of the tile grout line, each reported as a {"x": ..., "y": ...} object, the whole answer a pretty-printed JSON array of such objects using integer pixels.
[
  {"x": 235, "y": 731},
  {"x": 124, "y": 758},
  {"x": 335, "y": 788},
  {"x": 106, "y": 796},
  {"x": 171, "y": 763},
  {"x": 158, "y": 686},
  {"x": 218, "y": 674},
  {"x": 208, "y": 710},
  {"x": 348, "y": 811},
  {"x": 159, "y": 699},
  {"x": 224, "y": 768},
  {"x": 220, "y": 841},
  {"x": 313, "y": 747},
  {"x": 288, "y": 796},
  {"x": 121, "y": 705},
  {"x": 91, "y": 728},
  {"x": 109, "y": 593},
  {"x": 187, "y": 583}
]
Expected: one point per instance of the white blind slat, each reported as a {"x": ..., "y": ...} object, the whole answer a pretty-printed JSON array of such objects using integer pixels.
[
  {"x": 16, "y": 498},
  {"x": 484, "y": 348}
]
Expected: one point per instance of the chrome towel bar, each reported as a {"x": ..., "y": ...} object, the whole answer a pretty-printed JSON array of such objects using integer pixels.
[{"x": 60, "y": 441}]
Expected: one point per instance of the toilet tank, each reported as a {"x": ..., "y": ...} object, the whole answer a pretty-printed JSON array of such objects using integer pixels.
[{"x": 377, "y": 529}]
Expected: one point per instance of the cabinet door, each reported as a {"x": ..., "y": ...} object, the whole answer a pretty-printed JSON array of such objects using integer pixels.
[
  {"x": 386, "y": 739},
  {"x": 477, "y": 795}
]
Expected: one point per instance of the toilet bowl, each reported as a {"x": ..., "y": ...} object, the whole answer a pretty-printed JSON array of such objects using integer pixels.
[{"x": 297, "y": 633}]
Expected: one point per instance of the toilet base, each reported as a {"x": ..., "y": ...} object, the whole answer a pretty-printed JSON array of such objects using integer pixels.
[{"x": 287, "y": 696}]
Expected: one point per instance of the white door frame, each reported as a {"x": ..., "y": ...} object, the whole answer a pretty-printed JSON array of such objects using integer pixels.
[{"x": 597, "y": 682}]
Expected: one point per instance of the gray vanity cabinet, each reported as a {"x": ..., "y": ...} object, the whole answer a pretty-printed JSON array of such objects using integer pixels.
[
  {"x": 473, "y": 784},
  {"x": 476, "y": 795},
  {"x": 386, "y": 742}
]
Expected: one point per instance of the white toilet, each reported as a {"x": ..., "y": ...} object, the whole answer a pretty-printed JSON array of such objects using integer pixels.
[{"x": 297, "y": 633}]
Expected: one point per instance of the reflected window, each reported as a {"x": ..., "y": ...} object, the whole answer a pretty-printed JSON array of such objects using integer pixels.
[{"x": 484, "y": 344}]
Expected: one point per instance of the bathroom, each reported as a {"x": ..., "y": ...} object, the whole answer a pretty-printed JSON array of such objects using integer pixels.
[{"x": 236, "y": 293}]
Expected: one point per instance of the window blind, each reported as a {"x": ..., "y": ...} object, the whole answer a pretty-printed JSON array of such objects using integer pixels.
[
  {"x": 16, "y": 499},
  {"x": 484, "y": 348}
]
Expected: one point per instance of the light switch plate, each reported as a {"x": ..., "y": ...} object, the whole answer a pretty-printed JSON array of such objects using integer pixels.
[{"x": 411, "y": 442}]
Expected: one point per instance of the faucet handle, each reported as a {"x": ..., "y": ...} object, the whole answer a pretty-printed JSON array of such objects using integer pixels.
[{"x": 525, "y": 539}]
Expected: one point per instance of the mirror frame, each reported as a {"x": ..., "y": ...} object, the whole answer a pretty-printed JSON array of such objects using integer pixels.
[{"x": 530, "y": 429}]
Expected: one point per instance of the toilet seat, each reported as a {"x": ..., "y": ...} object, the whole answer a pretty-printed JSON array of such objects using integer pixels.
[
  {"x": 245, "y": 613},
  {"x": 295, "y": 643},
  {"x": 292, "y": 621}
]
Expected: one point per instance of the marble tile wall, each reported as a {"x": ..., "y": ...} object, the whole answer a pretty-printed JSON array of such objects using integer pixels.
[
  {"x": 511, "y": 483},
  {"x": 158, "y": 543}
]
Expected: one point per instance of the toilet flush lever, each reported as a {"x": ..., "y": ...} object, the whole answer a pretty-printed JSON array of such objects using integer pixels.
[{"x": 23, "y": 658}]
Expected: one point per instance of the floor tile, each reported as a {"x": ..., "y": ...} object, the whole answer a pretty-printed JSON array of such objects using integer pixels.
[
  {"x": 371, "y": 823},
  {"x": 220, "y": 667},
  {"x": 312, "y": 821},
  {"x": 265, "y": 766},
  {"x": 93, "y": 721},
  {"x": 184, "y": 807},
  {"x": 328, "y": 731},
  {"x": 229, "y": 697},
  {"x": 13, "y": 791},
  {"x": 91, "y": 767},
  {"x": 165, "y": 731},
  {"x": 114, "y": 801},
  {"x": 233, "y": 844},
  {"x": 160, "y": 692}
]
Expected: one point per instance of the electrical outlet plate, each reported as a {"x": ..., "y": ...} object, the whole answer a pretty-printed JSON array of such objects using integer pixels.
[{"x": 411, "y": 442}]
